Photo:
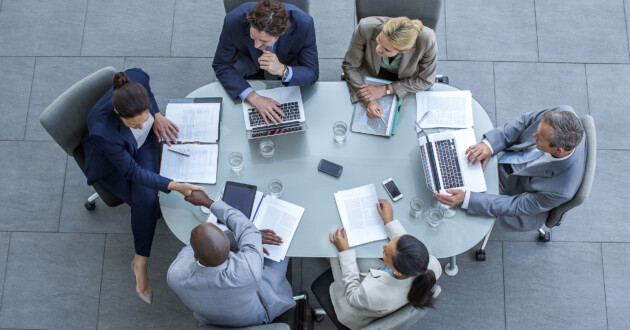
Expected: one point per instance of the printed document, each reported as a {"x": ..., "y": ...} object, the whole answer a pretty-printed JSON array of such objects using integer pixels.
[
  {"x": 196, "y": 121},
  {"x": 359, "y": 216},
  {"x": 199, "y": 167},
  {"x": 361, "y": 123},
  {"x": 280, "y": 216},
  {"x": 448, "y": 109}
]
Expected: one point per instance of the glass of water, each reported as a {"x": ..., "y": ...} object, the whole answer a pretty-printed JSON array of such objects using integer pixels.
[
  {"x": 435, "y": 217},
  {"x": 339, "y": 130},
  {"x": 275, "y": 188},
  {"x": 415, "y": 208},
  {"x": 266, "y": 148},
  {"x": 448, "y": 211},
  {"x": 236, "y": 162}
]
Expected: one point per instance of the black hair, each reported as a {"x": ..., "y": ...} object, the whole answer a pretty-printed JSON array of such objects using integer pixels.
[
  {"x": 130, "y": 98},
  {"x": 412, "y": 260}
]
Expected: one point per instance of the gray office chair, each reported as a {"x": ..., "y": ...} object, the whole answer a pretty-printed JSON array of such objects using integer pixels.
[
  {"x": 555, "y": 215},
  {"x": 65, "y": 119},
  {"x": 428, "y": 11},
  {"x": 229, "y": 5},
  {"x": 272, "y": 326}
]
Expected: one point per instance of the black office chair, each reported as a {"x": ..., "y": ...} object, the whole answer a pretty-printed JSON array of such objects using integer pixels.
[
  {"x": 65, "y": 119},
  {"x": 229, "y": 5}
]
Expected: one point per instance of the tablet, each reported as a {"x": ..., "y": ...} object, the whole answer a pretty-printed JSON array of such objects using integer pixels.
[{"x": 240, "y": 196}]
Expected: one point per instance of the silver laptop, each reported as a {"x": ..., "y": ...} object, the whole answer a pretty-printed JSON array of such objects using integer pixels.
[
  {"x": 293, "y": 120},
  {"x": 445, "y": 162}
]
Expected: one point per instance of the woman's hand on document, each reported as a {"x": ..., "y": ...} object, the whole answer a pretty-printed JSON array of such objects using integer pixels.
[
  {"x": 373, "y": 110},
  {"x": 340, "y": 239},
  {"x": 385, "y": 210},
  {"x": 165, "y": 129}
]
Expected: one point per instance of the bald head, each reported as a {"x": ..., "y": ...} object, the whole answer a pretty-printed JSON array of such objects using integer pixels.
[{"x": 210, "y": 244}]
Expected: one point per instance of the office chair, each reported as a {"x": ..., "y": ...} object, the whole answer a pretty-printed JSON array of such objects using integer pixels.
[
  {"x": 555, "y": 215},
  {"x": 65, "y": 119},
  {"x": 229, "y": 5},
  {"x": 271, "y": 326}
]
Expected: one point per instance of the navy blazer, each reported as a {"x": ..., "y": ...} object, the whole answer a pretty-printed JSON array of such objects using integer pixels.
[
  {"x": 110, "y": 146},
  {"x": 296, "y": 48}
]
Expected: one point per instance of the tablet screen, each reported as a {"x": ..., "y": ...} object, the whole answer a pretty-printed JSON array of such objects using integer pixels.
[{"x": 240, "y": 196}]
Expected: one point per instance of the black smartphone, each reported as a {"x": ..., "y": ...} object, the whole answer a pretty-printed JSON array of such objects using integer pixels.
[
  {"x": 240, "y": 196},
  {"x": 330, "y": 168}
]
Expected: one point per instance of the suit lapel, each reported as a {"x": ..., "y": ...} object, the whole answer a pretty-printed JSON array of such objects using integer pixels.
[
  {"x": 283, "y": 45},
  {"x": 124, "y": 131},
  {"x": 376, "y": 59}
]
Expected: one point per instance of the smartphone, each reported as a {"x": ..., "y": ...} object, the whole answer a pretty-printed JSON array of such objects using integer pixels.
[
  {"x": 330, "y": 168},
  {"x": 392, "y": 190}
]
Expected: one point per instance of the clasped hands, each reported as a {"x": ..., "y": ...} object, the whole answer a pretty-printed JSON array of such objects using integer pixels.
[
  {"x": 479, "y": 152},
  {"x": 368, "y": 94},
  {"x": 339, "y": 237}
]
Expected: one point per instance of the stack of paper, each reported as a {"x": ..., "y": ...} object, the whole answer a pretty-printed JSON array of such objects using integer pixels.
[
  {"x": 447, "y": 109},
  {"x": 359, "y": 216}
]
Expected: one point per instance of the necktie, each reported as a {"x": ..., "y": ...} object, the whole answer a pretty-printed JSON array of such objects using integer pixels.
[{"x": 520, "y": 157}]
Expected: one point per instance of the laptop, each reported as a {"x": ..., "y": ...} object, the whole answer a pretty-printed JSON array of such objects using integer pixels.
[
  {"x": 293, "y": 120},
  {"x": 445, "y": 162}
]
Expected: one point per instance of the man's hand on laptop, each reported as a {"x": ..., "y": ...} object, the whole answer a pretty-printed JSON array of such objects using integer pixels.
[
  {"x": 266, "y": 107},
  {"x": 373, "y": 110},
  {"x": 480, "y": 152},
  {"x": 456, "y": 198}
]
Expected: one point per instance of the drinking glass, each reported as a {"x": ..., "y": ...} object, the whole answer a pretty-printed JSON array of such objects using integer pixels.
[
  {"x": 435, "y": 217},
  {"x": 415, "y": 208},
  {"x": 236, "y": 162},
  {"x": 266, "y": 148},
  {"x": 339, "y": 130},
  {"x": 448, "y": 211},
  {"x": 275, "y": 188}
]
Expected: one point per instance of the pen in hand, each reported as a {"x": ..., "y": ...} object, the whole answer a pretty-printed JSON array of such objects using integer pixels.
[{"x": 178, "y": 152}]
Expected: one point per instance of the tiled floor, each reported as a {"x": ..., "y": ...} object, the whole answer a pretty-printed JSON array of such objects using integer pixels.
[{"x": 64, "y": 267}]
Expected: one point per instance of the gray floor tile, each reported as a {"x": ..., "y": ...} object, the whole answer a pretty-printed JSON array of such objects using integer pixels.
[
  {"x": 603, "y": 217},
  {"x": 478, "y": 77},
  {"x": 330, "y": 69},
  {"x": 197, "y": 28},
  {"x": 549, "y": 285},
  {"x": 4, "y": 249},
  {"x": 115, "y": 28},
  {"x": 52, "y": 281},
  {"x": 440, "y": 35},
  {"x": 507, "y": 31},
  {"x": 15, "y": 91},
  {"x": 608, "y": 99},
  {"x": 616, "y": 268},
  {"x": 334, "y": 24},
  {"x": 564, "y": 35},
  {"x": 53, "y": 75},
  {"x": 41, "y": 28},
  {"x": 32, "y": 178},
  {"x": 525, "y": 87},
  {"x": 174, "y": 77},
  {"x": 120, "y": 308},
  {"x": 457, "y": 306}
]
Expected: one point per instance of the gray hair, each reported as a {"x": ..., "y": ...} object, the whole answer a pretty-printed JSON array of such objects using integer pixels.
[{"x": 567, "y": 130}]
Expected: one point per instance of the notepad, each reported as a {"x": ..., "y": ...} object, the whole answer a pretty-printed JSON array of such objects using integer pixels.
[
  {"x": 359, "y": 216},
  {"x": 384, "y": 126},
  {"x": 447, "y": 109}
]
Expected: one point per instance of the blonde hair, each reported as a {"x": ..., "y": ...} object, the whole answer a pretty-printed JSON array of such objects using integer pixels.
[{"x": 402, "y": 32}]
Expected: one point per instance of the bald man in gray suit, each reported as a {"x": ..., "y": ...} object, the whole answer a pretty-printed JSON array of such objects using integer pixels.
[{"x": 541, "y": 166}]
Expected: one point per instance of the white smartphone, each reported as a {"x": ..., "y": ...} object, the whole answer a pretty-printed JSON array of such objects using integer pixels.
[{"x": 392, "y": 190}]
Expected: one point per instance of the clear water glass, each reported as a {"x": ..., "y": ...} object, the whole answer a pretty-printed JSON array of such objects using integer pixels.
[
  {"x": 435, "y": 217},
  {"x": 448, "y": 211},
  {"x": 339, "y": 130},
  {"x": 236, "y": 162},
  {"x": 275, "y": 188},
  {"x": 415, "y": 208},
  {"x": 266, "y": 148}
]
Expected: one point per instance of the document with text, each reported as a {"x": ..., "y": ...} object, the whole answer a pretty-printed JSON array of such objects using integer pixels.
[
  {"x": 359, "y": 216},
  {"x": 447, "y": 109},
  {"x": 196, "y": 121},
  {"x": 200, "y": 166},
  {"x": 361, "y": 123}
]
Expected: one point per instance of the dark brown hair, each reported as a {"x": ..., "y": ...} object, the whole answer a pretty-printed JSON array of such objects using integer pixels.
[
  {"x": 412, "y": 260},
  {"x": 269, "y": 16},
  {"x": 130, "y": 98}
]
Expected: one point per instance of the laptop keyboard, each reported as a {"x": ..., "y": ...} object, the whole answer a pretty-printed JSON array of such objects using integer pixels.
[
  {"x": 449, "y": 165},
  {"x": 276, "y": 131},
  {"x": 291, "y": 112}
]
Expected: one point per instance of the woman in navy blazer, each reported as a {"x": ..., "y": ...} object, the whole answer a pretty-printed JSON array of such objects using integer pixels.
[{"x": 122, "y": 154}]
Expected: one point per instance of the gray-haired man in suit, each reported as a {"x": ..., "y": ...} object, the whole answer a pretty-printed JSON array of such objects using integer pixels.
[
  {"x": 541, "y": 166},
  {"x": 225, "y": 288}
]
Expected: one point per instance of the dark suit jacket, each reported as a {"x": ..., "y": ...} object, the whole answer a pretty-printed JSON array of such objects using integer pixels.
[
  {"x": 110, "y": 146},
  {"x": 295, "y": 48}
]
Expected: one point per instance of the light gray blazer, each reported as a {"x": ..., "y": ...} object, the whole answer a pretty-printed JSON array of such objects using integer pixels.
[
  {"x": 417, "y": 66},
  {"x": 240, "y": 292},
  {"x": 529, "y": 194},
  {"x": 358, "y": 302}
]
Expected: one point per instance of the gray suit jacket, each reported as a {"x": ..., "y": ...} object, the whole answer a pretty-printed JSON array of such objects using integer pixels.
[
  {"x": 417, "y": 67},
  {"x": 240, "y": 292},
  {"x": 529, "y": 194}
]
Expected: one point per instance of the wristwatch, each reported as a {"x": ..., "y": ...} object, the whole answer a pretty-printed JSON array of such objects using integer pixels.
[
  {"x": 285, "y": 73},
  {"x": 387, "y": 91}
]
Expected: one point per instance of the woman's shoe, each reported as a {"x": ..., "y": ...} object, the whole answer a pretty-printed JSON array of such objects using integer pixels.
[{"x": 146, "y": 298}]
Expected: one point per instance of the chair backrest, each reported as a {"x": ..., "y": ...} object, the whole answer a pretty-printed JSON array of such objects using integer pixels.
[
  {"x": 271, "y": 326},
  {"x": 65, "y": 119},
  {"x": 428, "y": 11},
  {"x": 229, "y": 5},
  {"x": 401, "y": 316},
  {"x": 555, "y": 215}
]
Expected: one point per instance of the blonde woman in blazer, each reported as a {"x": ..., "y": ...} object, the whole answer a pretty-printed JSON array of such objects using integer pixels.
[
  {"x": 407, "y": 274},
  {"x": 381, "y": 45}
]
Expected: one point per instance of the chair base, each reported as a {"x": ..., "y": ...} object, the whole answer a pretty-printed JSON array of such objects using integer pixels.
[
  {"x": 480, "y": 255},
  {"x": 544, "y": 236},
  {"x": 90, "y": 204}
]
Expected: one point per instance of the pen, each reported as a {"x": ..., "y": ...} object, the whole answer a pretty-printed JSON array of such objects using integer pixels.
[
  {"x": 178, "y": 152},
  {"x": 383, "y": 120},
  {"x": 426, "y": 114}
]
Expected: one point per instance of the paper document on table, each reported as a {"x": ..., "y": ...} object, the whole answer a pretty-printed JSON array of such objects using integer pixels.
[
  {"x": 200, "y": 166},
  {"x": 361, "y": 123},
  {"x": 196, "y": 121},
  {"x": 448, "y": 109},
  {"x": 357, "y": 209},
  {"x": 280, "y": 216}
]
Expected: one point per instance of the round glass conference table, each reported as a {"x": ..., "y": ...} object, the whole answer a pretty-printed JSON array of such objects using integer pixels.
[{"x": 365, "y": 159}]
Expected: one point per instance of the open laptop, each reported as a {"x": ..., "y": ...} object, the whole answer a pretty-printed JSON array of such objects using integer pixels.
[
  {"x": 445, "y": 162},
  {"x": 293, "y": 120}
]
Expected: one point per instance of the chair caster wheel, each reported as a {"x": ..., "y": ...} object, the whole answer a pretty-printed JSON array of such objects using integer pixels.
[
  {"x": 481, "y": 255},
  {"x": 318, "y": 318},
  {"x": 546, "y": 237},
  {"x": 90, "y": 206}
]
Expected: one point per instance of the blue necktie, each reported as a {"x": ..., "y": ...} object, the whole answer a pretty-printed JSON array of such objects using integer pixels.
[{"x": 520, "y": 157}]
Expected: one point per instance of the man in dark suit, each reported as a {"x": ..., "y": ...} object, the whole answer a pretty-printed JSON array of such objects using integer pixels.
[{"x": 266, "y": 40}]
